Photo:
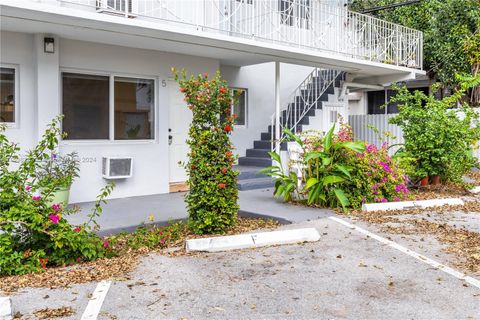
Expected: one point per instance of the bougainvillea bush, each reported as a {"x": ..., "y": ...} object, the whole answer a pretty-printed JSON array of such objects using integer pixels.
[
  {"x": 33, "y": 234},
  {"x": 375, "y": 176},
  {"x": 212, "y": 199}
]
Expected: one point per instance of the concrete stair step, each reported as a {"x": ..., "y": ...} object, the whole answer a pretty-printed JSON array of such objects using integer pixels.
[
  {"x": 247, "y": 173},
  {"x": 257, "y": 183},
  {"x": 254, "y": 161},
  {"x": 266, "y": 136},
  {"x": 258, "y": 153}
]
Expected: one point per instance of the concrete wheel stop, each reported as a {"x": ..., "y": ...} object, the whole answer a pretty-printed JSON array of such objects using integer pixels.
[
  {"x": 405, "y": 205},
  {"x": 6, "y": 312},
  {"x": 253, "y": 240}
]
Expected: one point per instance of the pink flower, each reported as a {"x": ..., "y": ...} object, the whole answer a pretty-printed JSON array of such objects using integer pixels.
[
  {"x": 106, "y": 244},
  {"x": 397, "y": 199},
  {"x": 54, "y": 218},
  {"x": 56, "y": 207},
  {"x": 162, "y": 240},
  {"x": 384, "y": 200},
  {"x": 36, "y": 198},
  {"x": 27, "y": 187},
  {"x": 77, "y": 229},
  {"x": 371, "y": 148}
]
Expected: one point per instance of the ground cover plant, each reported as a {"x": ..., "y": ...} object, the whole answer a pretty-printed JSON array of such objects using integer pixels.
[
  {"x": 33, "y": 233},
  {"x": 212, "y": 197}
]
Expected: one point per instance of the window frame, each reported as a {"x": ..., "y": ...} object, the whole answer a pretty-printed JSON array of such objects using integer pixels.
[
  {"x": 16, "y": 95},
  {"x": 232, "y": 89},
  {"x": 386, "y": 95},
  {"x": 111, "y": 107}
]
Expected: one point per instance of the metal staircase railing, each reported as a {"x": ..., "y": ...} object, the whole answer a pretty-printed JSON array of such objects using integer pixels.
[{"x": 305, "y": 97}]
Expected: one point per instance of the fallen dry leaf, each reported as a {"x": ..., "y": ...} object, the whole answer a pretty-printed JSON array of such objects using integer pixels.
[{"x": 48, "y": 313}]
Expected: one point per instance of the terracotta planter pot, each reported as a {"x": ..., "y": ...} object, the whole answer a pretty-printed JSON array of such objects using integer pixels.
[
  {"x": 424, "y": 182},
  {"x": 435, "y": 180}
]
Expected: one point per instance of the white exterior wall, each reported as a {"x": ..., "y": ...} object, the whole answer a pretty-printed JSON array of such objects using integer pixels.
[
  {"x": 18, "y": 49},
  {"x": 151, "y": 161},
  {"x": 260, "y": 82}
]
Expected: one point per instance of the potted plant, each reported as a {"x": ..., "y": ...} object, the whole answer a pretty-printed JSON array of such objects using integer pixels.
[{"x": 59, "y": 172}]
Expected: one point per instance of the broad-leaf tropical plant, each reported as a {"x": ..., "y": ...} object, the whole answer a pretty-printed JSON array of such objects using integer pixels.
[{"x": 323, "y": 172}]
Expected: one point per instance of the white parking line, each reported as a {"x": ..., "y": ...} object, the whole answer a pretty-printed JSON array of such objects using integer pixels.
[
  {"x": 433, "y": 263},
  {"x": 96, "y": 301}
]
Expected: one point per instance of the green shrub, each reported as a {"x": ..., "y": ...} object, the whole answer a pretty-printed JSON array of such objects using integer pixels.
[
  {"x": 212, "y": 199},
  {"x": 438, "y": 139},
  {"x": 33, "y": 234}
]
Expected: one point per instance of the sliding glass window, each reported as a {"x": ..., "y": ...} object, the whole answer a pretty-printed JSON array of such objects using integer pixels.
[{"x": 93, "y": 104}]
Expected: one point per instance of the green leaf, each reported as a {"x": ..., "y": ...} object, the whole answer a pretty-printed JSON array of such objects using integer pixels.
[
  {"x": 332, "y": 179},
  {"x": 314, "y": 155},
  {"x": 344, "y": 169},
  {"x": 327, "y": 142},
  {"x": 279, "y": 191},
  {"x": 291, "y": 136},
  {"x": 311, "y": 182},
  {"x": 342, "y": 198},
  {"x": 327, "y": 161},
  {"x": 355, "y": 146},
  {"x": 275, "y": 156}
]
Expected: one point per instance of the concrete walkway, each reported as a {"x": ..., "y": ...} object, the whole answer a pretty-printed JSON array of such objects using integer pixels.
[{"x": 127, "y": 213}]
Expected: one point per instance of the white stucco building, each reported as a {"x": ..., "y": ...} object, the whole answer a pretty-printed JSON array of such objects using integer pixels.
[{"x": 106, "y": 65}]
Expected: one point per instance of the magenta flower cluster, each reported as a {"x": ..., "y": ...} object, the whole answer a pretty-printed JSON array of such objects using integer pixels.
[{"x": 377, "y": 177}]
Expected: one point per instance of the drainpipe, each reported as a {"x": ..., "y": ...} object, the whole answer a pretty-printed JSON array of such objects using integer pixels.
[{"x": 277, "y": 107}]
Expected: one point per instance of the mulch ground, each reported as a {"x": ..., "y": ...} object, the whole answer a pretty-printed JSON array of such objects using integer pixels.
[
  {"x": 117, "y": 267},
  {"x": 463, "y": 244}
]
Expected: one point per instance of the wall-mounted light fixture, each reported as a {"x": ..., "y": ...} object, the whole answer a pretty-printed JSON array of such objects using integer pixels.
[{"x": 49, "y": 45}]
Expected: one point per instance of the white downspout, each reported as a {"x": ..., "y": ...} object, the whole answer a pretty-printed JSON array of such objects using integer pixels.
[{"x": 277, "y": 107}]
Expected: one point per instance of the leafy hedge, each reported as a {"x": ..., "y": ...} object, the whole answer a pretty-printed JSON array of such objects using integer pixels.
[{"x": 212, "y": 199}]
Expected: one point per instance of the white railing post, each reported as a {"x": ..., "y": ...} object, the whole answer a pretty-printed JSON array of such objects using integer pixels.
[{"x": 277, "y": 107}]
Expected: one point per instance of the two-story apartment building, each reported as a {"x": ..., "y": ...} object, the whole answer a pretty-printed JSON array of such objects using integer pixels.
[{"x": 106, "y": 65}]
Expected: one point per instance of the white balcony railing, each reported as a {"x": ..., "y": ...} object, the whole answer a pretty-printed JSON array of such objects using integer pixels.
[{"x": 310, "y": 24}]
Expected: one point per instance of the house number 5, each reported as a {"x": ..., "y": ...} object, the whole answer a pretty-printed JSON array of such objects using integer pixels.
[{"x": 164, "y": 83}]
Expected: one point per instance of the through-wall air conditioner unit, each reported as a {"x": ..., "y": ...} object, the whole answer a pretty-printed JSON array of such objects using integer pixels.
[
  {"x": 117, "y": 167},
  {"x": 117, "y": 7}
]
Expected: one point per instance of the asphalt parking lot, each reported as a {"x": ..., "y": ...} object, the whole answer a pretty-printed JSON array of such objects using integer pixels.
[{"x": 346, "y": 275}]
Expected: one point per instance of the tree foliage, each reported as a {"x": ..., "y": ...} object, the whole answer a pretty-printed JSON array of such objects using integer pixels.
[{"x": 446, "y": 25}]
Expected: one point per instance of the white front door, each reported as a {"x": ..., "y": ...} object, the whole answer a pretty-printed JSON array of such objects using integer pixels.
[{"x": 179, "y": 121}]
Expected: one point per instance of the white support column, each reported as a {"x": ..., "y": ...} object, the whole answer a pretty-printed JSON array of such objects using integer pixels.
[
  {"x": 48, "y": 83},
  {"x": 277, "y": 107}
]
